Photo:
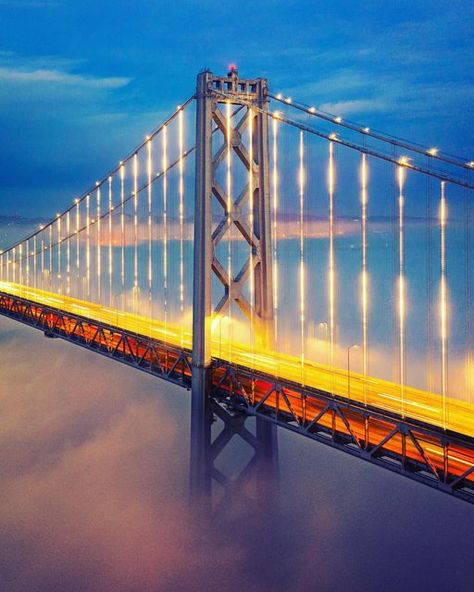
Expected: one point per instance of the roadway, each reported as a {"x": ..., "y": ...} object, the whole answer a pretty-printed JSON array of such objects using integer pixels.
[{"x": 409, "y": 402}]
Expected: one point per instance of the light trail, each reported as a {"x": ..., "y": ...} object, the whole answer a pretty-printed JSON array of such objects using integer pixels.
[
  {"x": 401, "y": 285},
  {"x": 364, "y": 278},
  {"x": 443, "y": 306},
  {"x": 301, "y": 188},
  {"x": 421, "y": 405}
]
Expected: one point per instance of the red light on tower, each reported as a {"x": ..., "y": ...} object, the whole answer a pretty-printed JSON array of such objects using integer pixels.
[{"x": 232, "y": 70}]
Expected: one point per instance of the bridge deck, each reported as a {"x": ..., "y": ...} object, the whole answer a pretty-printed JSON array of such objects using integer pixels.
[
  {"x": 417, "y": 404},
  {"x": 413, "y": 447}
]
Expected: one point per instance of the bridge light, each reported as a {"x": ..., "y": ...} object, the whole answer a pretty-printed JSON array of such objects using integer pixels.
[
  {"x": 338, "y": 119},
  {"x": 366, "y": 130},
  {"x": 404, "y": 161},
  {"x": 470, "y": 164},
  {"x": 288, "y": 100},
  {"x": 279, "y": 96},
  {"x": 58, "y": 215},
  {"x": 76, "y": 201},
  {"x": 97, "y": 183},
  {"x": 432, "y": 151},
  {"x": 333, "y": 136},
  {"x": 312, "y": 109}
]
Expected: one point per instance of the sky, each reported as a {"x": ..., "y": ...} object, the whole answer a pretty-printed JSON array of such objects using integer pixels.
[{"x": 81, "y": 83}]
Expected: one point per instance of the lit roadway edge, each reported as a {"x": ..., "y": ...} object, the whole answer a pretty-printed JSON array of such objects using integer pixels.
[{"x": 418, "y": 404}]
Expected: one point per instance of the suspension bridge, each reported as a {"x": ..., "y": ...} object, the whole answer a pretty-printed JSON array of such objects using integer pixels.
[{"x": 281, "y": 262}]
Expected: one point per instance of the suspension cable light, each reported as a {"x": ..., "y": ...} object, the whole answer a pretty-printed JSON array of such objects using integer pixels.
[
  {"x": 251, "y": 224},
  {"x": 331, "y": 274},
  {"x": 68, "y": 253},
  {"x": 122, "y": 232},
  {"x": 229, "y": 217},
  {"x": 401, "y": 285},
  {"x": 20, "y": 260},
  {"x": 42, "y": 263},
  {"x": 78, "y": 247},
  {"x": 275, "y": 226},
  {"x": 364, "y": 279},
  {"x": 150, "y": 213},
  {"x": 135, "y": 232},
  {"x": 98, "y": 249},
  {"x": 27, "y": 262},
  {"x": 88, "y": 247},
  {"x": 301, "y": 182},
  {"x": 164, "y": 147},
  {"x": 111, "y": 263},
  {"x": 50, "y": 253},
  {"x": 443, "y": 310},
  {"x": 181, "y": 218},
  {"x": 34, "y": 261}
]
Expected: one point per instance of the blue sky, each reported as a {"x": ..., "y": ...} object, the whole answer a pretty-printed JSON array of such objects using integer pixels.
[{"x": 82, "y": 82}]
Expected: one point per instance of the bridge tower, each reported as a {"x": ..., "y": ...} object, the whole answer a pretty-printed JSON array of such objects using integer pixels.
[{"x": 215, "y": 96}]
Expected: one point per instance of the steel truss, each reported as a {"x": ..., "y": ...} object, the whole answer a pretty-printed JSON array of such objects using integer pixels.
[{"x": 440, "y": 459}]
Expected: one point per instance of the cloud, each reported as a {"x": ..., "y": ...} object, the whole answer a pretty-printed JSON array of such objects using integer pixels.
[
  {"x": 58, "y": 77},
  {"x": 31, "y": 3}
]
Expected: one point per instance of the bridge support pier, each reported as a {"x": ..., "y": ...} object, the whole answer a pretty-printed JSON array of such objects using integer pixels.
[{"x": 248, "y": 97}]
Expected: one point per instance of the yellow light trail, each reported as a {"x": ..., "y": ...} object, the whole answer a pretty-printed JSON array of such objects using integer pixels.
[
  {"x": 419, "y": 404},
  {"x": 331, "y": 278},
  {"x": 364, "y": 279},
  {"x": 301, "y": 187},
  {"x": 401, "y": 285},
  {"x": 275, "y": 181},
  {"x": 443, "y": 306}
]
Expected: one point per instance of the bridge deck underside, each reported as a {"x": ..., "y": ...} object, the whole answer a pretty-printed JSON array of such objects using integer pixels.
[{"x": 436, "y": 457}]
